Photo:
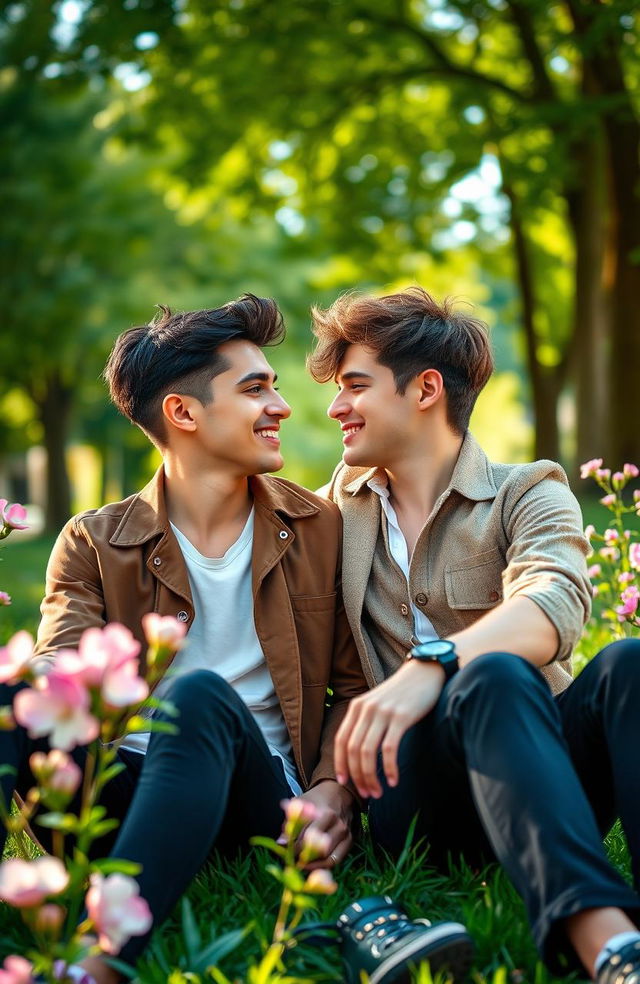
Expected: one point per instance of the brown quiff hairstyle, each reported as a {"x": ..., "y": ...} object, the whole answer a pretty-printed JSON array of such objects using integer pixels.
[{"x": 408, "y": 332}]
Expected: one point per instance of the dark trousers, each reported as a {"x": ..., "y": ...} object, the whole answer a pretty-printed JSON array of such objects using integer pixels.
[
  {"x": 214, "y": 784},
  {"x": 502, "y": 770}
]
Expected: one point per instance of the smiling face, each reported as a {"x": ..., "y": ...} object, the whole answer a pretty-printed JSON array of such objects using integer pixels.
[
  {"x": 378, "y": 424},
  {"x": 239, "y": 429}
]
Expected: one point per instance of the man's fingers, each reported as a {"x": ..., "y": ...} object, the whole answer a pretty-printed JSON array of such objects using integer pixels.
[
  {"x": 362, "y": 754},
  {"x": 390, "y": 745}
]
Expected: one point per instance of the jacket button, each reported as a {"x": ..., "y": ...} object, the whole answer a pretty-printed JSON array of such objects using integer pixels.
[
  {"x": 283, "y": 534},
  {"x": 421, "y": 598},
  {"x": 404, "y": 610},
  {"x": 183, "y": 616},
  {"x": 494, "y": 596},
  {"x": 157, "y": 561}
]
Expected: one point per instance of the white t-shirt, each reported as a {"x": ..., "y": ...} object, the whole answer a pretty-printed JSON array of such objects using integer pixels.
[{"x": 223, "y": 638}]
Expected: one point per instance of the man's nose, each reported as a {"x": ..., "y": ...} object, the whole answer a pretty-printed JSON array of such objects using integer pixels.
[{"x": 337, "y": 407}]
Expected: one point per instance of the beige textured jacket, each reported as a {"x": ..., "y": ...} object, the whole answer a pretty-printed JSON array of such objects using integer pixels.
[{"x": 497, "y": 532}]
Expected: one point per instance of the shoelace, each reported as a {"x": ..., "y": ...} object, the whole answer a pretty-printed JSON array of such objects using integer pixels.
[{"x": 385, "y": 931}]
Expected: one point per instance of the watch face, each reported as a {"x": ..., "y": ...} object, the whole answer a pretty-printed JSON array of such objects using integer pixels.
[{"x": 433, "y": 650}]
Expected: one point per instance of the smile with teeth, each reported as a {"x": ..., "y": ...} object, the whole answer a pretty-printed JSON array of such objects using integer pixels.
[
  {"x": 270, "y": 435},
  {"x": 351, "y": 429}
]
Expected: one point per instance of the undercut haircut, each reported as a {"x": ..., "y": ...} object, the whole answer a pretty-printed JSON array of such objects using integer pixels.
[
  {"x": 178, "y": 353},
  {"x": 408, "y": 332}
]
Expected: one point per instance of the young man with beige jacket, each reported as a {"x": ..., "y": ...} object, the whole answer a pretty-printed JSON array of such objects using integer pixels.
[{"x": 466, "y": 588}]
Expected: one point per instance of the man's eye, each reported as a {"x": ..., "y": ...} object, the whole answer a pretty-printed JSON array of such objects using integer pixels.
[{"x": 254, "y": 389}]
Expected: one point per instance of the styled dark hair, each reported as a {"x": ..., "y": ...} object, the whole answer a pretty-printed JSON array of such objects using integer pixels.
[
  {"x": 408, "y": 332},
  {"x": 179, "y": 352}
]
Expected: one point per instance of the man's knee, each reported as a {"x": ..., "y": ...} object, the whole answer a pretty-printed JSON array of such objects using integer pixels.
[
  {"x": 495, "y": 671},
  {"x": 199, "y": 694},
  {"x": 621, "y": 660}
]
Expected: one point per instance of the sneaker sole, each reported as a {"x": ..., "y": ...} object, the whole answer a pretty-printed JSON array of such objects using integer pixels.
[{"x": 449, "y": 948}]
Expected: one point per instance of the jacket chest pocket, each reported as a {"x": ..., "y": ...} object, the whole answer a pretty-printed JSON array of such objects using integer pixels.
[
  {"x": 314, "y": 617},
  {"x": 475, "y": 583}
]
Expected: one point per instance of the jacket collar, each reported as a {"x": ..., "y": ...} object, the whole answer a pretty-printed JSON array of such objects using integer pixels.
[
  {"x": 146, "y": 516},
  {"x": 471, "y": 476}
]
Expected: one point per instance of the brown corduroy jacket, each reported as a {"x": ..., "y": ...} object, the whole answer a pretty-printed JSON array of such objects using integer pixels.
[{"x": 116, "y": 563}]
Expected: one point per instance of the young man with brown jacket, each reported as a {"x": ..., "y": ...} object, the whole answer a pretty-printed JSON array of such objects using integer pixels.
[{"x": 251, "y": 563}]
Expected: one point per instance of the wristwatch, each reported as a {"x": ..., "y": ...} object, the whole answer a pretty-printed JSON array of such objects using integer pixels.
[{"x": 441, "y": 651}]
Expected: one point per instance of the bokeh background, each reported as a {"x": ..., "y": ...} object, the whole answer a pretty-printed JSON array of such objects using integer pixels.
[{"x": 183, "y": 152}]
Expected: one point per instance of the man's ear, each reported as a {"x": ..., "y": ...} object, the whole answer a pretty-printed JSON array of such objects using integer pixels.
[
  {"x": 177, "y": 411},
  {"x": 431, "y": 388}
]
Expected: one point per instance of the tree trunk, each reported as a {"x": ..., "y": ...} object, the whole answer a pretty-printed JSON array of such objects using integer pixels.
[
  {"x": 546, "y": 382},
  {"x": 624, "y": 144},
  {"x": 54, "y": 405},
  {"x": 590, "y": 354}
]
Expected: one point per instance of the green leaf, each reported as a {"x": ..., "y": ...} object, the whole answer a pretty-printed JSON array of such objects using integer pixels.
[
  {"x": 66, "y": 822},
  {"x": 192, "y": 938},
  {"x": 107, "y": 866},
  {"x": 270, "y": 845}
]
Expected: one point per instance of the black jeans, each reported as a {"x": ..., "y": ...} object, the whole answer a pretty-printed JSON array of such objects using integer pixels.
[
  {"x": 502, "y": 770},
  {"x": 214, "y": 784}
]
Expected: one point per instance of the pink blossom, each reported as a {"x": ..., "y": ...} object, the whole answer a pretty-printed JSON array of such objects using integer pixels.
[
  {"x": 315, "y": 844},
  {"x": 15, "y": 657},
  {"x": 106, "y": 660},
  {"x": 618, "y": 480},
  {"x": 16, "y": 970},
  {"x": 13, "y": 516},
  {"x": 589, "y": 468},
  {"x": 595, "y": 590},
  {"x": 594, "y": 571},
  {"x": 609, "y": 553},
  {"x": 608, "y": 500},
  {"x": 48, "y": 920},
  {"x": 57, "y": 706},
  {"x": 25, "y": 884},
  {"x": 636, "y": 495},
  {"x": 603, "y": 474},
  {"x": 610, "y": 537},
  {"x": 626, "y": 577},
  {"x": 630, "y": 598},
  {"x": 320, "y": 882},
  {"x": 5, "y": 599},
  {"x": 589, "y": 531},
  {"x": 634, "y": 556},
  {"x": 164, "y": 631},
  {"x": 56, "y": 773},
  {"x": 630, "y": 470},
  {"x": 117, "y": 910}
]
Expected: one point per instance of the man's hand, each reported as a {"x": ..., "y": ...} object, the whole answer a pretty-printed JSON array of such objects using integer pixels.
[
  {"x": 331, "y": 828},
  {"x": 379, "y": 719}
]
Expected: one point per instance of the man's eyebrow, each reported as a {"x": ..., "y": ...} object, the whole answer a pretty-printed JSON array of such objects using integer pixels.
[
  {"x": 353, "y": 374},
  {"x": 262, "y": 377}
]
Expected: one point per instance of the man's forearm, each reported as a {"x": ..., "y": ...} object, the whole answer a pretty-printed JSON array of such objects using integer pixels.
[{"x": 517, "y": 626}]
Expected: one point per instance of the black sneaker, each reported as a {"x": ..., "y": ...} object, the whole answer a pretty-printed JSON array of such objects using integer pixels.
[
  {"x": 380, "y": 939},
  {"x": 622, "y": 967}
]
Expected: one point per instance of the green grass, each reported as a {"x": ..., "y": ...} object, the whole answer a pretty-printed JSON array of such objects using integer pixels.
[{"x": 229, "y": 895}]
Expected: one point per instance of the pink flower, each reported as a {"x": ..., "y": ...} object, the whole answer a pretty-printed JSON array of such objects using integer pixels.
[
  {"x": 589, "y": 468},
  {"x": 15, "y": 657},
  {"x": 25, "y": 884},
  {"x": 610, "y": 537},
  {"x": 5, "y": 599},
  {"x": 589, "y": 531},
  {"x": 630, "y": 470},
  {"x": 48, "y": 920},
  {"x": 315, "y": 844},
  {"x": 57, "y": 775},
  {"x": 626, "y": 577},
  {"x": 320, "y": 882},
  {"x": 298, "y": 813},
  {"x": 16, "y": 970},
  {"x": 107, "y": 661},
  {"x": 164, "y": 631},
  {"x": 117, "y": 910},
  {"x": 609, "y": 553},
  {"x": 594, "y": 571},
  {"x": 634, "y": 556},
  {"x": 57, "y": 706},
  {"x": 618, "y": 480},
  {"x": 13, "y": 516},
  {"x": 636, "y": 495},
  {"x": 630, "y": 598},
  {"x": 608, "y": 500}
]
